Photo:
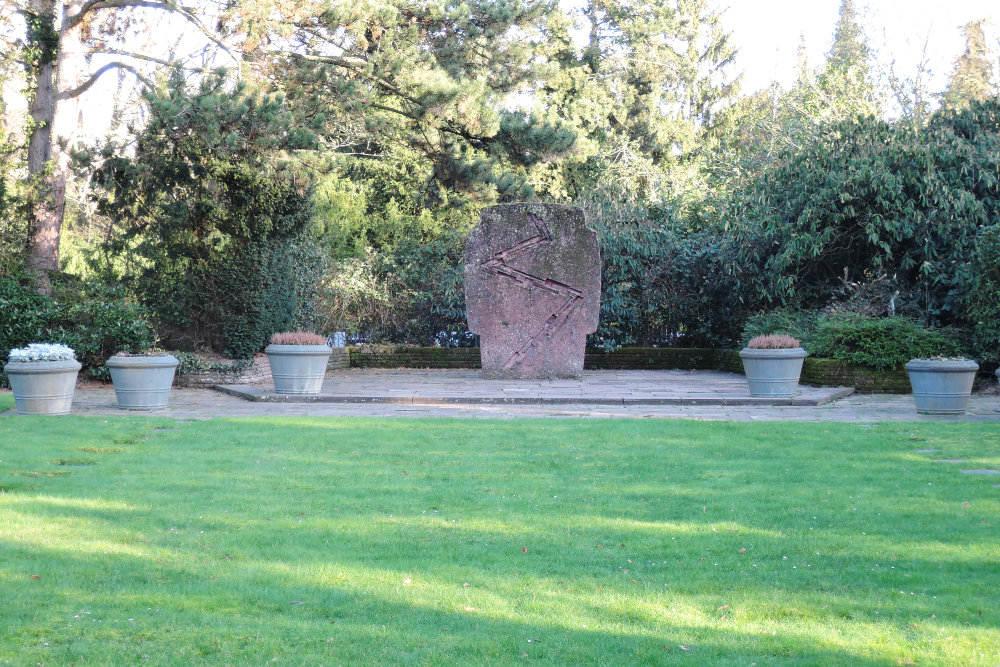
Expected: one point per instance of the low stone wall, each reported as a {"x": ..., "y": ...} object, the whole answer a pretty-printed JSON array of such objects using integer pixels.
[
  {"x": 817, "y": 372},
  {"x": 224, "y": 372},
  {"x": 235, "y": 372}
]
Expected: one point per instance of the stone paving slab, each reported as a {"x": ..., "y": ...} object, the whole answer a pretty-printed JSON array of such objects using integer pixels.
[
  {"x": 627, "y": 388},
  {"x": 198, "y": 403}
]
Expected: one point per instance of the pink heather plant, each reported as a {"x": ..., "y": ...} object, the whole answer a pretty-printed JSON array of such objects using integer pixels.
[
  {"x": 773, "y": 342},
  {"x": 297, "y": 338}
]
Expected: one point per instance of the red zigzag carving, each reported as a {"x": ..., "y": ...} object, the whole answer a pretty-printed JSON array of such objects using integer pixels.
[{"x": 498, "y": 265}]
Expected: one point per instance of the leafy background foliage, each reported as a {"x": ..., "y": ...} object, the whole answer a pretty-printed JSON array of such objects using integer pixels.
[{"x": 332, "y": 183}]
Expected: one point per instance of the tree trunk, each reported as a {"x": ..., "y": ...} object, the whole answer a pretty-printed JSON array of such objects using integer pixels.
[
  {"x": 54, "y": 127},
  {"x": 43, "y": 252}
]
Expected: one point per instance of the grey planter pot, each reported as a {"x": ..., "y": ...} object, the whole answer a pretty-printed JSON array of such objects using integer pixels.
[
  {"x": 298, "y": 369},
  {"x": 43, "y": 387},
  {"x": 142, "y": 383},
  {"x": 773, "y": 373},
  {"x": 941, "y": 387}
]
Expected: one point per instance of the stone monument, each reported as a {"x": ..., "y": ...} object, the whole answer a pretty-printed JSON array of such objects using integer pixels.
[{"x": 532, "y": 289}]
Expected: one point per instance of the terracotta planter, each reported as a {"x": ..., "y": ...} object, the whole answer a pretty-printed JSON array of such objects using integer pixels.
[
  {"x": 773, "y": 373},
  {"x": 43, "y": 387},
  {"x": 941, "y": 387},
  {"x": 298, "y": 369},
  {"x": 142, "y": 383}
]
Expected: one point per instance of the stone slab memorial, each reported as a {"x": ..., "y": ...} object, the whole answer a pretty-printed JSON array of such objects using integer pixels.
[{"x": 532, "y": 290}]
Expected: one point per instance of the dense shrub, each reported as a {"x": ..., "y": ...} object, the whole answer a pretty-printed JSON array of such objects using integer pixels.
[
  {"x": 632, "y": 245},
  {"x": 697, "y": 298},
  {"x": 208, "y": 224},
  {"x": 882, "y": 343},
  {"x": 866, "y": 197},
  {"x": 25, "y": 317},
  {"x": 662, "y": 284},
  {"x": 413, "y": 292},
  {"x": 276, "y": 282},
  {"x": 876, "y": 342},
  {"x": 800, "y": 324},
  {"x": 97, "y": 321},
  {"x": 93, "y": 319},
  {"x": 981, "y": 295}
]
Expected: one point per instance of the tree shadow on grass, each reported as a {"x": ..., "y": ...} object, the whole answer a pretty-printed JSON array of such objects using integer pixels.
[
  {"x": 633, "y": 521},
  {"x": 123, "y": 608}
]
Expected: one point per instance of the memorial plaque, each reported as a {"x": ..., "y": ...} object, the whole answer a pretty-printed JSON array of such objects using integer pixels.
[{"x": 532, "y": 289}]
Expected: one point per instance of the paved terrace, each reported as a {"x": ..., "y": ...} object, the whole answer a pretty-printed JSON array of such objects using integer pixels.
[{"x": 461, "y": 393}]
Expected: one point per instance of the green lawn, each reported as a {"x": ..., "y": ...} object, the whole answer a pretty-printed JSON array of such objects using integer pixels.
[{"x": 447, "y": 541}]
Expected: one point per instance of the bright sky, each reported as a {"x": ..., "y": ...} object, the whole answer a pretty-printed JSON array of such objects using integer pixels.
[{"x": 767, "y": 34}]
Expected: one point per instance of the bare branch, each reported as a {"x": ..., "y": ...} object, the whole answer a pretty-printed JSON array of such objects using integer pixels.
[
  {"x": 150, "y": 59},
  {"x": 166, "y": 5},
  {"x": 83, "y": 87},
  {"x": 93, "y": 5}
]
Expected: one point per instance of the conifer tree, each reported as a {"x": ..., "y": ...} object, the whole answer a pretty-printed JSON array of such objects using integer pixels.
[
  {"x": 59, "y": 42},
  {"x": 971, "y": 80},
  {"x": 844, "y": 87},
  {"x": 849, "y": 46},
  {"x": 643, "y": 92},
  {"x": 802, "y": 60},
  {"x": 435, "y": 78}
]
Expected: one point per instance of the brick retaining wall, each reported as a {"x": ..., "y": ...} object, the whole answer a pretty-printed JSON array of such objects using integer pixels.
[{"x": 402, "y": 356}]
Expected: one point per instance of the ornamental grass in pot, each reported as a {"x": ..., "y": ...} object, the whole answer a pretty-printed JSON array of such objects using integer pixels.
[
  {"x": 942, "y": 385},
  {"x": 142, "y": 380},
  {"x": 773, "y": 364},
  {"x": 298, "y": 361},
  {"x": 43, "y": 378}
]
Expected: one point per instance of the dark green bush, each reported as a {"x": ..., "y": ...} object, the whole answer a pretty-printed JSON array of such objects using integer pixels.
[
  {"x": 208, "y": 219},
  {"x": 866, "y": 197},
  {"x": 800, "y": 324},
  {"x": 432, "y": 275},
  {"x": 275, "y": 282},
  {"x": 662, "y": 284},
  {"x": 25, "y": 318},
  {"x": 413, "y": 292},
  {"x": 95, "y": 320},
  {"x": 981, "y": 295},
  {"x": 876, "y": 342},
  {"x": 880, "y": 343},
  {"x": 696, "y": 298}
]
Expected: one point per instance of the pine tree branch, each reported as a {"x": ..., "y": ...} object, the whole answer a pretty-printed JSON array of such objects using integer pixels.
[
  {"x": 351, "y": 63},
  {"x": 83, "y": 87}
]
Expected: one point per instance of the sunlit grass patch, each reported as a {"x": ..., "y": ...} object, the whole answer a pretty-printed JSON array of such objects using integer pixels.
[{"x": 449, "y": 541}]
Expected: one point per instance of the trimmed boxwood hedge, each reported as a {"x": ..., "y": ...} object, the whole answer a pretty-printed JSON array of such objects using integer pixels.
[{"x": 818, "y": 372}]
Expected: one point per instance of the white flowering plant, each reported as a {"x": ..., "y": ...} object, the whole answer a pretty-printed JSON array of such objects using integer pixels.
[{"x": 43, "y": 352}]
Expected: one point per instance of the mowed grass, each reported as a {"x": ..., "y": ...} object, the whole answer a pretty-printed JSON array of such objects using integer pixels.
[{"x": 333, "y": 541}]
